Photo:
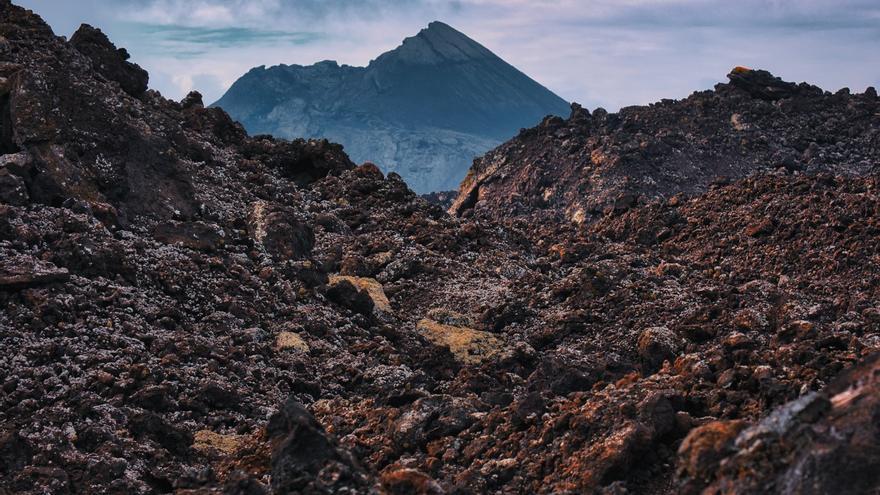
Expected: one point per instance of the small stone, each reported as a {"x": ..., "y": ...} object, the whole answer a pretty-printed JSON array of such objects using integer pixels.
[
  {"x": 469, "y": 346},
  {"x": 737, "y": 340},
  {"x": 409, "y": 481},
  {"x": 206, "y": 441},
  {"x": 656, "y": 345},
  {"x": 23, "y": 271},
  {"x": 705, "y": 446},
  {"x": 291, "y": 340},
  {"x": 104, "y": 377},
  {"x": 372, "y": 287},
  {"x": 194, "y": 235},
  {"x": 761, "y": 228},
  {"x": 12, "y": 189}
]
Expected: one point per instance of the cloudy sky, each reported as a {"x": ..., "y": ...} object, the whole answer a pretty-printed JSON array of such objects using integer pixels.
[{"x": 608, "y": 53}]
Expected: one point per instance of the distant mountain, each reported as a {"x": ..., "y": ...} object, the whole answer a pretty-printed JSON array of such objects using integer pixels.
[{"x": 424, "y": 110}]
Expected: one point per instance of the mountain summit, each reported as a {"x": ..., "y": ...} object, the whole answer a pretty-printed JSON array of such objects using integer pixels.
[
  {"x": 424, "y": 110},
  {"x": 438, "y": 43}
]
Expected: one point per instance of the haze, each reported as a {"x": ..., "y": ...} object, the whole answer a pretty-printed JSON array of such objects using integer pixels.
[{"x": 600, "y": 52}]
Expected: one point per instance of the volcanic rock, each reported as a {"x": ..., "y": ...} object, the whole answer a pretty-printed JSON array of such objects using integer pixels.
[
  {"x": 581, "y": 168},
  {"x": 24, "y": 271},
  {"x": 305, "y": 459},
  {"x": 166, "y": 290},
  {"x": 109, "y": 61}
]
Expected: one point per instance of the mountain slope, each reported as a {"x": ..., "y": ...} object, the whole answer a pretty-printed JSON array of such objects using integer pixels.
[
  {"x": 755, "y": 123},
  {"x": 423, "y": 110}
]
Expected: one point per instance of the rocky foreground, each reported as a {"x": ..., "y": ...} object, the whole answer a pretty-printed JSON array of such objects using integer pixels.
[{"x": 186, "y": 309}]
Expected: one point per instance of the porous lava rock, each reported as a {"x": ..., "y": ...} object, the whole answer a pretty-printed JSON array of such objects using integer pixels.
[{"x": 185, "y": 308}]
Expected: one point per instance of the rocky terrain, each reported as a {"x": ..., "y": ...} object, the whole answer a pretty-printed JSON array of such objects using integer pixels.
[
  {"x": 755, "y": 123},
  {"x": 424, "y": 110},
  {"x": 187, "y": 309}
]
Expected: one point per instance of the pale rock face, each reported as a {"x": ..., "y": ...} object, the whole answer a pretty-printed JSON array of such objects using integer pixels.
[{"x": 424, "y": 110}]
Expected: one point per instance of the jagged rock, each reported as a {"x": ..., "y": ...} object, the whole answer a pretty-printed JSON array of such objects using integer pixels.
[
  {"x": 15, "y": 452},
  {"x": 369, "y": 285},
  {"x": 194, "y": 235},
  {"x": 820, "y": 443},
  {"x": 109, "y": 61},
  {"x": 22, "y": 271},
  {"x": 168, "y": 436},
  {"x": 466, "y": 344},
  {"x": 192, "y": 100},
  {"x": 279, "y": 231},
  {"x": 126, "y": 351},
  {"x": 582, "y": 168},
  {"x": 761, "y": 84},
  {"x": 706, "y": 446},
  {"x": 430, "y": 418},
  {"x": 409, "y": 482},
  {"x": 348, "y": 295},
  {"x": 656, "y": 345},
  {"x": 305, "y": 459},
  {"x": 13, "y": 190}
]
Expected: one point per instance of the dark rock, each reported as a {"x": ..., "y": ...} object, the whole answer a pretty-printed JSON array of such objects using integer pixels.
[
  {"x": 109, "y": 61},
  {"x": 347, "y": 295},
  {"x": 821, "y": 443},
  {"x": 194, "y": 235},
  {"x": 152, "y": 426},
  {"x": 761, "y": 84},
  {"x": 410, "y": 482},
  {"x": 280, "y": 232},
  {"x": 13, "y": 190},
  {"x": 305, "y": 459},
  {"x": 15, "y": 453},
  {"x": 192, "y": 100},
  {"x": 656, "y": 345},
  {"x": 430, "y": 418},
  {"x": 19, "y": 272}
]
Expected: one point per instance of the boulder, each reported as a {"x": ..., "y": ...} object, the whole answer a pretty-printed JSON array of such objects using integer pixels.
[
  {"x": 279, "y": 231},
  {"x": 822, "y": 442},
  {"x": 656, "y": 345},
  {"x": 306, "y": 459},
  {"x": 346, "y": 294},
  {"x": 13, "y": 190},
  {"x": 431, "y": 418},
  {"x": 705, "y": 446},
  {"x": 22, "y": 271},
  {"x": 469, "y": 346},
  {"x": 408, "y": 481},
  {"x": 109, "y": 61},
  {"x": 200, "y": 236},
  {"x": 371, "y": 286},
  {"x": 761, "y": 84}
]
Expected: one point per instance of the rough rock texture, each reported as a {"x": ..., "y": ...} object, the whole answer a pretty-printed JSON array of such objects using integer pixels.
[
  {"x": 824, "y": 442},
  {"x": 424, "y": 110},
  {"x": 109, "y": 61},
  {"x": 593, "y": 162},
  {"x": 187, "y": 309}
]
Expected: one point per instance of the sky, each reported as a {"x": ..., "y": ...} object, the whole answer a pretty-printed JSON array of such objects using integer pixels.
[{"x": 608, "y": 53}]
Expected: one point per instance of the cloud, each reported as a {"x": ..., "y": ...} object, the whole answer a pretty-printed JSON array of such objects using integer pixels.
[
  {"x": 607, "y": 53},
  {"x": 187, "y": 42}
]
